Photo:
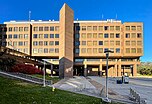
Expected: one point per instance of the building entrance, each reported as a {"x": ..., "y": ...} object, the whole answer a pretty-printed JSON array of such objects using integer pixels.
[{"x": 78, "y": 71}]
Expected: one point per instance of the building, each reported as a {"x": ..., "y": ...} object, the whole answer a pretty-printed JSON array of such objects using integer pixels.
[{"x": 77, "y": 47}]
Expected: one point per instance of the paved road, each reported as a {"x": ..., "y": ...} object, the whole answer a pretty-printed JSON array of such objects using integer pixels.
[{"x": 143, "y": 86}]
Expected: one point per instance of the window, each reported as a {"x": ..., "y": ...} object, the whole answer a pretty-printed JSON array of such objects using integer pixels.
[
  {"x": 46, "y": 28},
  {"x": 45, "y": 50},
  {"x": 139, "y": 28},
  {"x": 56, "y": 28},
  {"x": 25, "y": 28},
  {"x": 45, "y": 35},
  {"x": 25, "y": 36},
  {"x": 10, "y": 29},
  {"x": 106, "y": 27},
  {"x": 51, "y": 35},
  {"x": 77, "y": 36},
  {"x": 35, "y": 28},
  {"x": 83, "y": 28},
  {"x": 118, "y": 28},
  {"x": 51, "y": 50},
  {"x": 133, "y": 35},
  {"x": 20, "y": 43},
  {"x": 105, "y": 49},
  {"x": 100, "y": 35},
  {"x": 83, "y": 50},
  {"x": 106, "y": 35},
  {"x": 127, "y": 43},
  {"x": 52, "y": 28},
  {"x": 15, "y": 28},
  {"x": 133, "y": 27},
  {"x": 25, "y": 50},
  {"x": 41, "y": 43},
  {"x": 111, "y": 43},
  {"x": 89, "y": 43},
  {"x": 100, "y": 42},
  {"x": 127, "y": 50},
  {"x": 127, "y": 35},
  {"x": 111, "y": 27},
  {"x": 56, "y": 50},
  {"x": 20, "y": 28},
  {"x": 51, "y": 43},
  {"x": 89, "y": 50},
  {"x": 133, "y": 50},
  {"x": 77, "y": 43},
  {"x": 35, "y": 43},
  {"x": 9, "y": 36},
  {"x": 83, "y": 42},
  {"x": 40, "y": 28},
  {"x": 139, "y": 35},
  {"x": 139, "y": 50},
  {"x": 139, "y": 43},
  {"x": 56, "y": 35},
  {"x": 94, "y": 35},
  {"x": 56, "y": 42},
  {"x": 117, "y": 43},
  {"x": 89, "y": 35},
  {"x": 117, "y": 50},
  {"x": 133, "y": 43},
  {"x": 40, "y": 50},
  {"x": 100, "y": 50},
  {"x": 14, "y": 43},
  {"x": 127, "y": 28},
  {"x": 26, "y": 43},
  {"x": 41, "y": 36},
  {"x": 117, "y": 35},
  {"x": 76, "y": 50},
  {"x": 15, "y": 36},
  {"x": 89, "y": 28},
  {"x": 35, "y": 50},
  {"x": 77, "y": 28},
  {"x": 83, "y": 35},
  {"x": 100, "y": 28},
  {"x": 35, "y": 36},
  {"x": 111, "y": 35},
  {"x": 95, "y": 50},
  {"x": 45, "y": 43},
  {"x": 20, "y": 36},
  {"x": 94, "y": 28},
  {"x": 106, "y": 43},
  {"x": 95, "y": 43}
]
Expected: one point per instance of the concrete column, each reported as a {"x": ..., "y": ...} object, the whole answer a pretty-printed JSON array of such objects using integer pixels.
[
  {"x": 85, "y": 70},
  {"x": 135, "y": 70},
  {"x": 115, "y": 70},
  {"x": 119, "y": 70},
  {"x": 100, "y": 69},
  {"x": 51, "y": 70}
]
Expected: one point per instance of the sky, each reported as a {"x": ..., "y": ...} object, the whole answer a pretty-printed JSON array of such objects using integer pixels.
[{"x": 126, "y": 11}]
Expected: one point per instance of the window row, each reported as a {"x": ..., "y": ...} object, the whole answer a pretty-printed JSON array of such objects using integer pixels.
[
  {"x": 97, "y": 28},
  {"x": 18, "y": 29},
  {"x": 95, "y": 43},
  {"x": 24, "y": 50},
  {"x": 133, "y": 43},
  {"x": 45, "y": 43},
  {"x": 46, "y": 28},
  {"x": 17, "y": 36},
  {"x": 46, "y": 36},
  {"x": 20, "y": 43},
  {"x": 133, "y": 28},
  {"x": 45, "y": 50},
  {"x": 98, "y": 35},
  {"x": 95, "y": 50},
  {"x": 133, "y": 50},
  {"x": 133, "y": 35}
]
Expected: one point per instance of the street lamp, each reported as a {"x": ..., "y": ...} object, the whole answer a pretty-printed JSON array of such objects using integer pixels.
[
  {"x": 44, "y": 74},
  {"x": 107, "y": 55}
]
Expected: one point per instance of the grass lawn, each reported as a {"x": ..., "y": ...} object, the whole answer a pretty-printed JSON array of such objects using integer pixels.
[
  {"x": 18, "y": 92},
  {"x": 48, "y": 77}
]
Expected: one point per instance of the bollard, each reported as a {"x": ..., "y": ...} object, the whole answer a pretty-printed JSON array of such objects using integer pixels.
[{"x": 53, "y": 88}]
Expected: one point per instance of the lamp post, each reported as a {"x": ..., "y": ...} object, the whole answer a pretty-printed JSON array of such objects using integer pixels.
[
  {"x": 107, "y": 56},
  {"x": 44, "y": 74}
]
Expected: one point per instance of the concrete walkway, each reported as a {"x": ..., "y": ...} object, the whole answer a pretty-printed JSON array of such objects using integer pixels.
[{"x": 89, "y": 86}]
